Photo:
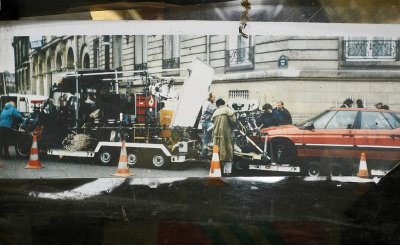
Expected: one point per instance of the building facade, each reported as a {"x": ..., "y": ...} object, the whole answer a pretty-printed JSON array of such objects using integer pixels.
[
  {"x": 21, "y": 59},
  {"x": 7, "y": 82},
  {"x": 309, "y": 74}
]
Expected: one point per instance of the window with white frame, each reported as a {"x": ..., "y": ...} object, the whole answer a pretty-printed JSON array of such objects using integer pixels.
[
  {"x": 240, "y": 52},
  {"x": 171, "y": 52},
  {"x": 140, "y": 52},
  {"x": 370, "y": 48}
]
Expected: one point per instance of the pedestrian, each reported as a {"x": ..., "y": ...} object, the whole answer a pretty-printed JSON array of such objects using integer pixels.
[
  {"x": 284, "y": 115},
  {"x": 359, "y": 103},
  {"x": 379, "y": 105},
  {"x": 269, "y": 117},
  {"x": 224, "y": 122},
  {"x": 8, "y": 117},
  {"x": 207, "y": 111},
  {"x": 347, "y": 103}
]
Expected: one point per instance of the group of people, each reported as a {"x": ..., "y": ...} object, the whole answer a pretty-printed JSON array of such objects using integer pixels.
[
  {"x": 218, "y": 122},
  {"x": 348, "y": 103},
  {"x": 277, "y": 116}
]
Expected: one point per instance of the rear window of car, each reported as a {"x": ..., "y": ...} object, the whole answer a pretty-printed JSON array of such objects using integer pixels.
[
  {"x": 342, "y": 120},
  {"x": 374, "y": 120},
  {"x": 393, "y": 119}
]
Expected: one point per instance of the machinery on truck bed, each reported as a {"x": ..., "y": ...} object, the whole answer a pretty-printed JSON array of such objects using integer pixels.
[{"x": 88, "y": 117}]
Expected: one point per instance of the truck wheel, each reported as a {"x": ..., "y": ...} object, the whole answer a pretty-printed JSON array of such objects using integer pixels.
[
  {"x": 336, "y": 170},
  {"x": 313, "y": 170},
  {"x": 159, "y": 160},
  {"x": 23, "y": 147},
  {"x": 132, "y": 159},
  {"x": 107, "y": 156}
]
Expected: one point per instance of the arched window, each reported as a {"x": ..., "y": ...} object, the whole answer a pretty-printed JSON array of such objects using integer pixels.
[
  {"x": 86, "y": 61},
  {"x": 70, "y": 58}
]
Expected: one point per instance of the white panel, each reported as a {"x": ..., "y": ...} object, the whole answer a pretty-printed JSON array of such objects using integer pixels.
[{"x": 193, "y": 94}]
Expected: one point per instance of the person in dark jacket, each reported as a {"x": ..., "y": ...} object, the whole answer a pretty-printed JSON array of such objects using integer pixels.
[
  {"x": 285, "y": 116},
  {"x": 270, "y": 117},
  {"x": 8, "y": 117},
  {"x": 347, "y": 103},
  {"x": 359, "y": 103}
]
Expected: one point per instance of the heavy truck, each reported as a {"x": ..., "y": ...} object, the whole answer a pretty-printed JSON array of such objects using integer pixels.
[{"x": 87, "y": 117}]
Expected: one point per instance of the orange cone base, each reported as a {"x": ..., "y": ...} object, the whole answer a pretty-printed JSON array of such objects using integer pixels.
[
  {"x": 32, "y": 164},
  {"x": 123, "y": 173},
  {"x": 363, "y": 174}
]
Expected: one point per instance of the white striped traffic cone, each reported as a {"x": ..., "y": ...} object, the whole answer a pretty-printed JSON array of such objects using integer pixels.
[
  {"x": 34, "y": 162},
  {"x": 363, "y": 169},
  {"x": 123, "y": 169},
  {"x": 215, "y": 168}
]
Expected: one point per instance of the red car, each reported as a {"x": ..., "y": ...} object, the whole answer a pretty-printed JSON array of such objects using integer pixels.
[{"x": 336, "y": 138}]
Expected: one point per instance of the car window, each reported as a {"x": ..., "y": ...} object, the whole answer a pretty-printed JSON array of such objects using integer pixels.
[
  {"x": 342, "y": 120},
  {"x": 373, "y": 120},
  {"x": 393, "y": 119},
  {"x": 321, "y": 122}
]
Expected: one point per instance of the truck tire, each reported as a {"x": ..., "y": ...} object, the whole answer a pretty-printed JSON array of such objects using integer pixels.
[
  {"x": 159, "y": 160},
  {"x": 314, "y": 170},
  {"x": 107, "y": 156},
  {"x": 23, "y": 147},
  {"x": 336, "y": 170},
  {"x": 133, "y": 159}
]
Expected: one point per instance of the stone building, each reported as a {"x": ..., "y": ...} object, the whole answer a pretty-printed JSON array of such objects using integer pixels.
[
  {"x": 7, "y": 82},
  {"x": 21, "y": 59},
  {"x": 309, "y": 74}
]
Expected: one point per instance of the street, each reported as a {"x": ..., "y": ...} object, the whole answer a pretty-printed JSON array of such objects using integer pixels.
[{"x": 86, "y": 168}]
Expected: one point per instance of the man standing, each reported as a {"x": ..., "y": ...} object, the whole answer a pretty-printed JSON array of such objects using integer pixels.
[
  {"x": 8, "y": 117},
  {"x": 285, "y": 117},
  {"x": 206, "y": 113},
  {"x": 224, "y": 121},
  {"x": 270, "y": 117}
]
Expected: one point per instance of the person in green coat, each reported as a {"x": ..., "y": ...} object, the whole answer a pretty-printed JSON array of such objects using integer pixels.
[{"x": 224, "y": 121}]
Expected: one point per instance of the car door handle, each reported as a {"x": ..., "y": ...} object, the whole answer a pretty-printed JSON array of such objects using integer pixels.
[{"x": 348, "y": 135}]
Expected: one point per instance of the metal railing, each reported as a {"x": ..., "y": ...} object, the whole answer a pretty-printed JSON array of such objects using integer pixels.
[
  {"x": 170, "y": 63},
  {"x": 142, "y": 66},
  {"x": 370, "y": 49},
  {"x": 240, "y": 56}
]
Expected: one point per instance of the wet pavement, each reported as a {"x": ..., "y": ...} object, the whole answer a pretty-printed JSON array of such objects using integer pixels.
[{"x": 241, "y": 210}]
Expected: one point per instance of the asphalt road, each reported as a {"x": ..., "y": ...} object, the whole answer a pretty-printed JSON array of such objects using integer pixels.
[{"x": 85, "y": 168}]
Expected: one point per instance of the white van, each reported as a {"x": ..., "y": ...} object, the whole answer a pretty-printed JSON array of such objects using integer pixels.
[{"x": 24, "y": 102}]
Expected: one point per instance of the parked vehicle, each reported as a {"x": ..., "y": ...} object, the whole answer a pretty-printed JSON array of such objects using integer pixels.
[
  {"x": 338, "y": 137},
  {"x": 25, "y": 103}
]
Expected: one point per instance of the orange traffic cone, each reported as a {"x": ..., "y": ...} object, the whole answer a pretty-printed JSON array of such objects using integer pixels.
[
  {"x": 123, "y": 169},
  {"x": 215, "y": 169},
  {"x": 215, "y": 175},
  {"x": 34, "y": 162},
  {"x": 363, "y": 170}
]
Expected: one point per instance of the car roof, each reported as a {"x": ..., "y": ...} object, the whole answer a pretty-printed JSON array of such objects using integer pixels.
[{"x": 362, "y": 109}]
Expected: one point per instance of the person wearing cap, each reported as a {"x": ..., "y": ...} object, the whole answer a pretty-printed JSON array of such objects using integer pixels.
[
  {"x": 8, "y": 117},
  {"x": 224, "y": 122}
]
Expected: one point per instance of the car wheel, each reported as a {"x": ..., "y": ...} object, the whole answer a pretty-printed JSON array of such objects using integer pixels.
[
  {"x": 23, "y": 147},
  {"x": 283, "y": 151},
  {"x": 107, "y": 156},
  {"x": 159, "y": 160},
  {"x": 336, "y": 170}
]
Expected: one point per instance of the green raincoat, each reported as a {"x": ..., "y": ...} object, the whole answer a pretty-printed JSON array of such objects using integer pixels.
[{"x": 223, "y": 119}]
